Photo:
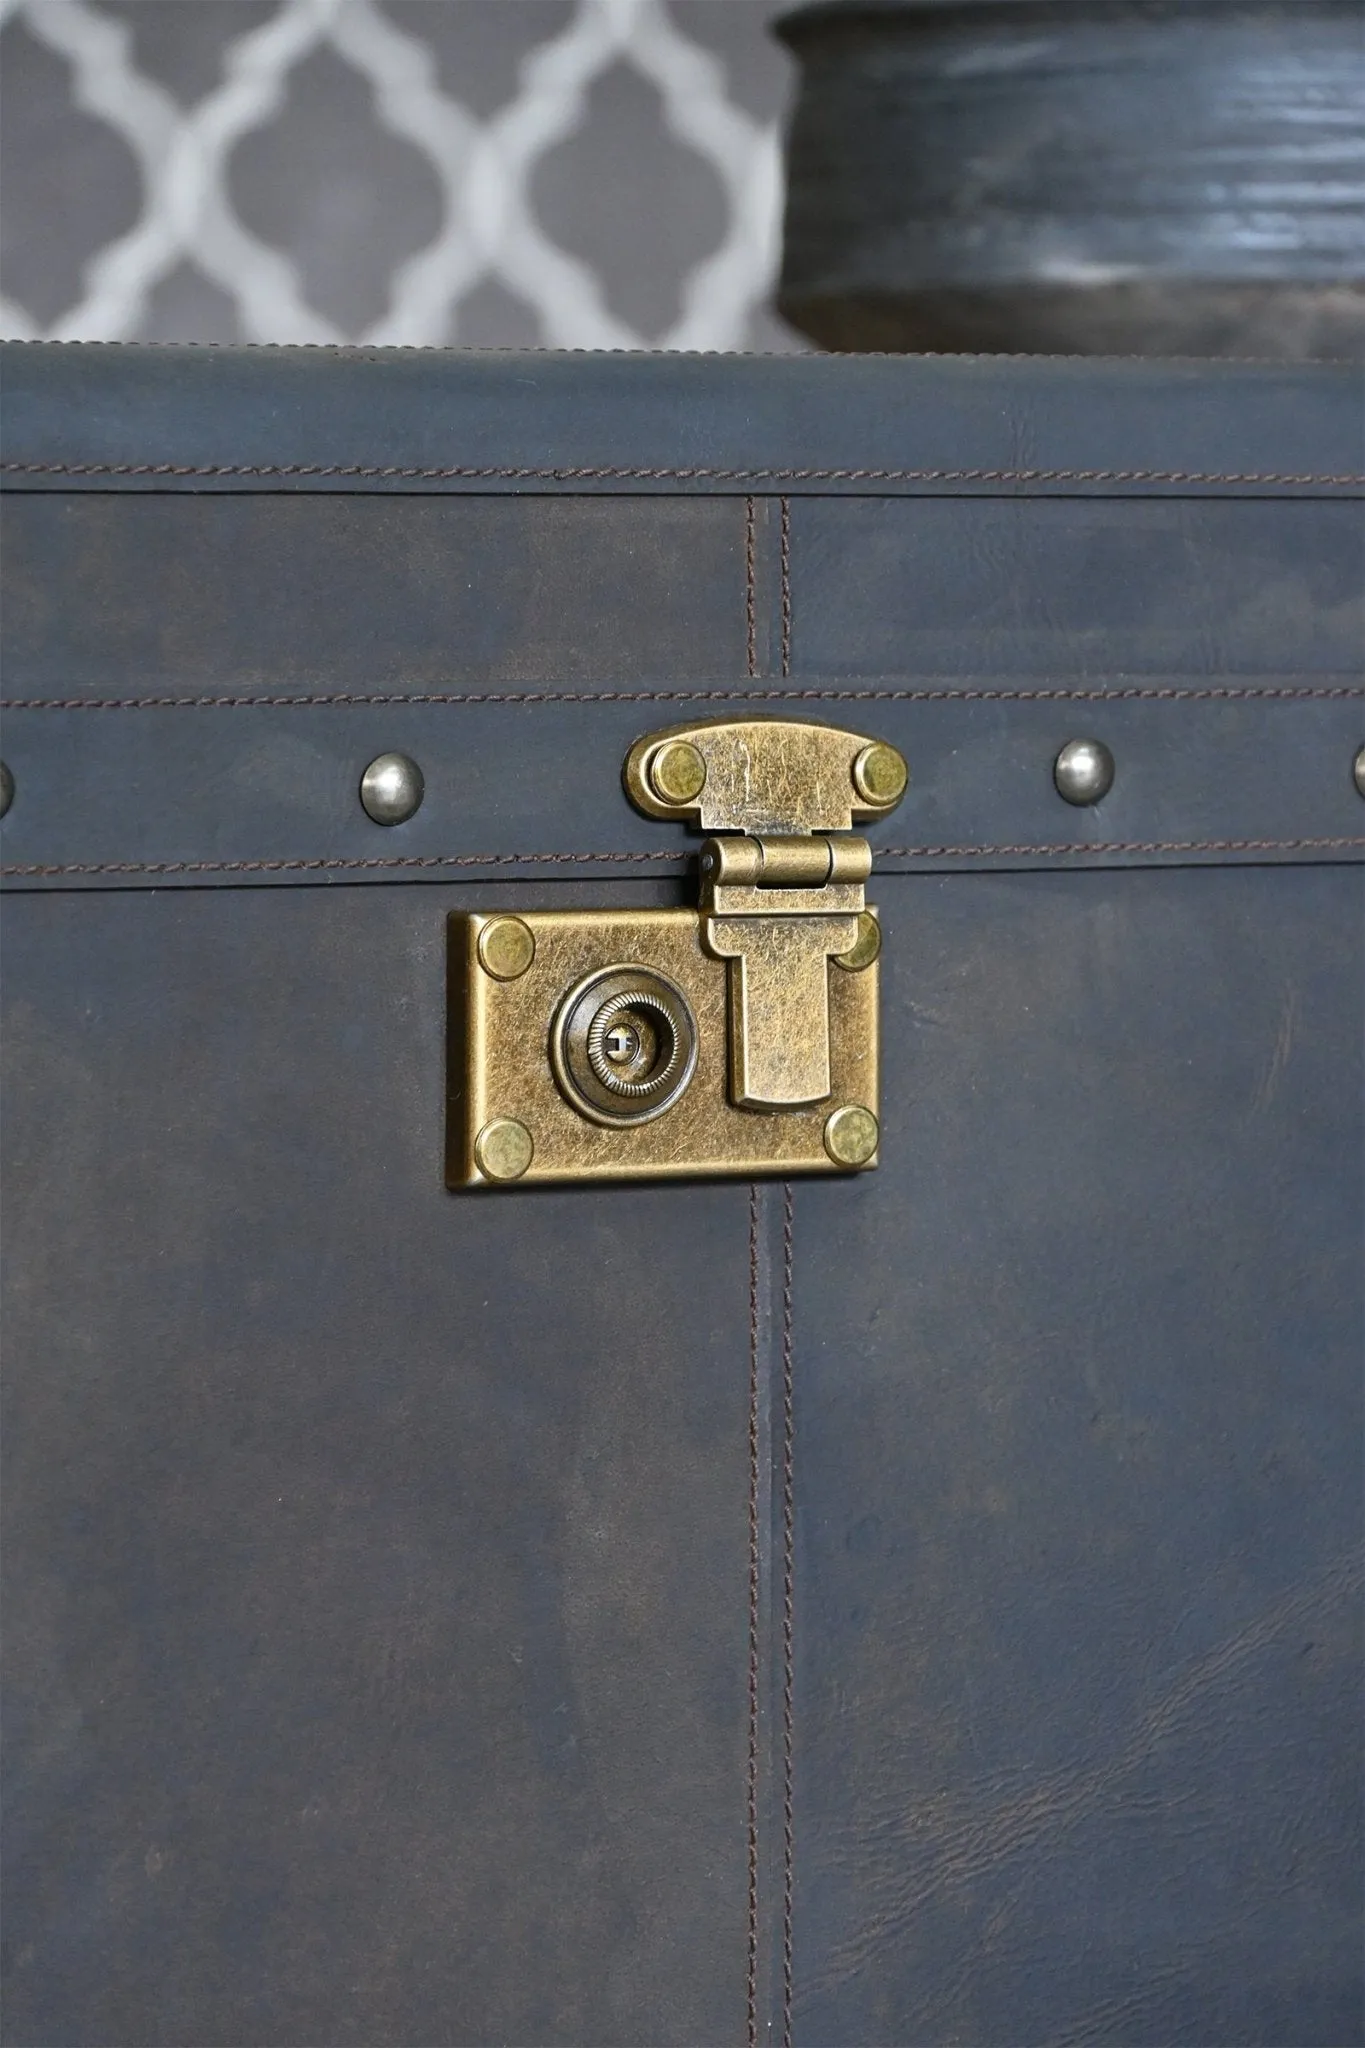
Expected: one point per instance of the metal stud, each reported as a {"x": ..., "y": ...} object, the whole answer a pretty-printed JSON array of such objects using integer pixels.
[
  {"x": 851, "y": 1135},
  {"x": 507, "y": 946},
  {"x": 880, "y": 775},
  {"x": 865, "y": 948},
  {"x": 391, "y": 789},
  {"x": 1357, "y": 771},
  {"x": 677, "y": 773},
  {"x": 1083, "y": 771},
  {"x": 503, "y": 1149},
  {"x": 7, "y": 787}
]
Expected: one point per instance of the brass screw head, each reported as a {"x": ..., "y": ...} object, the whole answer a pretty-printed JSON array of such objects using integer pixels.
[
  {"x": 7, "y": 788},
  {"x": 1358, "y": 771},
  {"x": 880, "y": 775},
  {"x": 503, "y": 1149},
  {"x": 677, "y": 772},
  {"x": 391, "y": 789},
  {"x": 865, "y": 947},
  {"x": 851, "y": 1135},
  {"x": 506, "y": 948},
  {"x": 1083, "y": 771}
]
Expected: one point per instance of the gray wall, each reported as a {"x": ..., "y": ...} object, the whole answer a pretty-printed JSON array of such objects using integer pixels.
[{"x": 490, "y": 173}]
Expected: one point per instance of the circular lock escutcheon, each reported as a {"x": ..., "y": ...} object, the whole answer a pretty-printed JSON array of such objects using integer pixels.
[{"x": 624, "y": 1045}]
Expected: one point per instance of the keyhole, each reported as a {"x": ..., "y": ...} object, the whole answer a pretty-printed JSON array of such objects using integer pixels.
[{"x": 622, "y": 1044}]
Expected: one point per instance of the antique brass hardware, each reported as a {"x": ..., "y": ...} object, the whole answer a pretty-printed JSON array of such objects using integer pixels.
[
  {"x": 737, "y": 1038},
  {"x": 783, "y": 897},
  {"x": 624, "y": 1045}
]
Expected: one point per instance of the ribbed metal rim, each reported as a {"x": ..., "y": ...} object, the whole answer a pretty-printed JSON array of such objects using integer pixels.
[{"x": 819, "y": 14}]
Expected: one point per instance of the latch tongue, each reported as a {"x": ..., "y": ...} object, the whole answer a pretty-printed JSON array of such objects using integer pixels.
[{"x": 784, "y": 898}]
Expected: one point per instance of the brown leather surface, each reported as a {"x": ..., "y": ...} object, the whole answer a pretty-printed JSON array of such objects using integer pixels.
[
  {"x": 1076, "y": 1445},
  {"x": 275, "y": 594},
  {"x": 885, "y": 1614},
  {"x": 1056, "y": 591},
  {"x": 358, "y": 593},
  {"x": 390, "y": 421},
  {"x": 378, "y": 1583},
  {"x": 265, "y": 792}
]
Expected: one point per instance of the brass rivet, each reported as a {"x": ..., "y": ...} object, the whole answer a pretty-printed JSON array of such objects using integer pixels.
[
  {"x": 677, "y": 772},
  {"x": 1083, "y": 771},
  {"x": 865, "y": 947},
  {"x": 503, "y": 1149},
  {"x": 6, "y": 788},
  {"x": 880, "y": 775},
  {"x": 851, "y": 1135},
  {"x": 506, "y": 948},
  {"x": 1358, "y": 771},
  {"x": 391, "y": 789}
]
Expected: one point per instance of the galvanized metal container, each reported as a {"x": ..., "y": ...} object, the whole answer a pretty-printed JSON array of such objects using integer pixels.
[{"x": 1181, "y": 177}]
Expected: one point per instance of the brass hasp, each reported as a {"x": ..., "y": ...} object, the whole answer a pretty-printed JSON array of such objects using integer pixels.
[
  {"x": 783, "y": 892},
  {"x": 737, "y": 1036}
]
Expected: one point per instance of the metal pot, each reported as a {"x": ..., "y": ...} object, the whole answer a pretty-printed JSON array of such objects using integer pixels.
[{"x": 1147, "y": 177}]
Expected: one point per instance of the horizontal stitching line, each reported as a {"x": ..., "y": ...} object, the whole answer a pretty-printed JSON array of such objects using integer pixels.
[
  {"x": 492, "y": 472},
  {"x": 1119, "y": 846},
  {"x": 386, "y": 698},
  {"x": 434, "y": 860},
  {"x": 481, "y": 860}
]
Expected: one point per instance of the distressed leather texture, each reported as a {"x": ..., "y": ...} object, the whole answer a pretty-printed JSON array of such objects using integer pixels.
[
  {"x": 914, "y": 1610},
  {"x": 394, "y": 420}
]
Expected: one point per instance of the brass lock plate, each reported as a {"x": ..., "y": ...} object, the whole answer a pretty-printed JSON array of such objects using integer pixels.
[
  {"x": 571, "y": 1058},
  {"x": 736, "y": 1038}
]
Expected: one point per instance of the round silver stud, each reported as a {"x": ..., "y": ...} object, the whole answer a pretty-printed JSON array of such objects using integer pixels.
[
  {"x": 7, "y": 787},
  {"x": 391, "y": 789},
  {"x": 1084, "y": 771},
  {"x": 1357, "y": 771}
]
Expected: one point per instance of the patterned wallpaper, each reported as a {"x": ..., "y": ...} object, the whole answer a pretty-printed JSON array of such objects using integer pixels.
[{"x": 483, "y": 173}]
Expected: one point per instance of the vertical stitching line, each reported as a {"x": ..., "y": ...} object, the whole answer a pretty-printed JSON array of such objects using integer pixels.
[
  {"x": 750, "y": 594},
  {"x": 788, "y": 1607},
  {"x": 786, "y": 523},
  {"x": 752, "y": 1780}
]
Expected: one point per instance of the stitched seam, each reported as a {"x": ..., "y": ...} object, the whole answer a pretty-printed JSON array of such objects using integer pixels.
[
  {"x": 786, "y": 516},
  {"x": 1117, "y": 846},
  {"x": 752, "y": 1772},
  {"x": 485, "y": 860},
  {"x": 750, "y": 592},
  {"x": 788, "y": 1599},
  {"x": 493, "y": 472},
  {"x": 435, "y": 860},
  {"x": 1125, "y": 693}
]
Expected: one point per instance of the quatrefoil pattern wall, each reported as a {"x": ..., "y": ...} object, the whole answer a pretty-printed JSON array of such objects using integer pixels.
[{"x": 559, "y": 173}]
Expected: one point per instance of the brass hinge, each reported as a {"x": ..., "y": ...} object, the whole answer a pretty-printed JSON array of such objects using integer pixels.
[
  {"x": 786, "y": 895},
  {"x": 737, "y": 1038}
]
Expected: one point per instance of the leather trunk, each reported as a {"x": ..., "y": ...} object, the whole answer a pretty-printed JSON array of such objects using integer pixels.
[{"x": 909, "y": 1609}]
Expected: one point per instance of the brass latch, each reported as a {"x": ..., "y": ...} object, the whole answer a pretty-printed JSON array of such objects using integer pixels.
[
  {"x": 738, "y": 1038},
  {"x": 785, "y": 898}
]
